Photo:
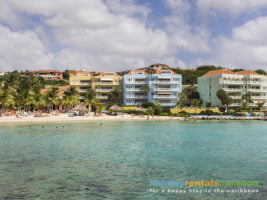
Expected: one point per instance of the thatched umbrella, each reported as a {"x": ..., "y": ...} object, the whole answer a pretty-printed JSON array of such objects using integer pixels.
[
  {"x": 141, "y": 109},
  {"x": 80, "y": 107},
  {"x": 115, "y": 108}
]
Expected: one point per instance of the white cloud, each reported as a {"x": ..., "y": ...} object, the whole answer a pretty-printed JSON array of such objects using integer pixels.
[
  {"x": 246, "y": 48},
  {"x": 231, "y": 7},
  {"x": 22, "y": 48}
]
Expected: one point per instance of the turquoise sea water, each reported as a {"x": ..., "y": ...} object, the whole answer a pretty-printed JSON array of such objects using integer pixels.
[{"x": 117, "y": 160}]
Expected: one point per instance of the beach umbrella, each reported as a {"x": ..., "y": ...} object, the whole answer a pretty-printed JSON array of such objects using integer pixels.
[
  {"x": 115, "y": 108},
  {"x": 141, "y": 109}
]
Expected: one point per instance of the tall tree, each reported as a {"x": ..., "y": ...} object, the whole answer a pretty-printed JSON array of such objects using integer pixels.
[
  {"x": 224, "y": 98},
  {"x": 90, "y": 98}
]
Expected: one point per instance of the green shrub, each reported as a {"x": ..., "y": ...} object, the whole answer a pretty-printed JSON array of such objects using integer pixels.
[{"x": 163, "y": 114}]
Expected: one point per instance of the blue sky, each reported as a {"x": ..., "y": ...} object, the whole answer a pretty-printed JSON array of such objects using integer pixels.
[{"x": 126, "y": 34}]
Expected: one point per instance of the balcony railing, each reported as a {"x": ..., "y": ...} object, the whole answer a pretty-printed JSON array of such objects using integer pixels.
[
  {"x": 258, "y": 97},
  {"x": 166, "y": 89},
  {"x": 164, "y": 97},
  {"x": 235, "y": 104},
  {"x": 231, "y": 82},
  {"x": 166, "y": 82},
  {"x": 80, "y": 84},
  {"x": 232, "y": 89},
  {"x": 235, "y": 97},
  {"x": 103, "y": 90},
  {"x": 136, "y": 82},
  {"x": 136, "y": 97},
  {"x": 107, "y": 83},
  {"x": 102, "y": 97},
  {"x": 83, "y": 90},
  {"x": 133, "y": 89}
]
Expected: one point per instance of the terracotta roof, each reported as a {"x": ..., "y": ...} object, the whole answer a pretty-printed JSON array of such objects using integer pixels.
[
  {"x": 44, "y": 91},
  {"x": 65, "y": 87},
  {"x": 220, "y": 71},
  {"x": 103, "y": 73},
  {"x": 247, "y": 72},
  {"x": 137, "y": 71},
  {"x": 159, "y": 71},
  {"x": 49, "y": 71}
]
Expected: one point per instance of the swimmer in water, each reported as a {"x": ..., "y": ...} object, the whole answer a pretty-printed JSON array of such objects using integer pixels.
[
  {"x": 42, "y": 126},
  {"x": 101, "y": 124}
]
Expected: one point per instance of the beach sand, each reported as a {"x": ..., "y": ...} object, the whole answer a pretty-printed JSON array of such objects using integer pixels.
[{"x": 62, "y": 118}]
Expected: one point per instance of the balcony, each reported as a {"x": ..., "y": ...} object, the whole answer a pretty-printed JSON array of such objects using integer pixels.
[
  {"x": 107, "y": 83},
  {"x": 103, "y": 90},
  {"x": 136, "y": 97},
  {"x": 166, "y": 82},
  {"x": 255, "y": 90},
  {"x": 83, "y": 90},
  {"x": 255, "y": 82},
  {"x": 102, "y": 97},
  {"x": 235, "y": 97},
  {"x": 164, "y": 97},
  {"x": 231, "y": 82},
  {"x": 166, "y": 104},
  {"x": 235, "y": 104},
  {"x": 232, "y": 89},
  {"x": 258, "y": 97},
  {"x": 81, "y": 97},
  {"x": 166, "y": 89},
  {"x": 133, "y": 89},
  {"x": 136, "y": 82},
  {"x": 89, "y": 84}
]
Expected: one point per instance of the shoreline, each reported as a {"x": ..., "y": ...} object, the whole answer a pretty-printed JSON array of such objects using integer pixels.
[{"x": 64, "y": 118}]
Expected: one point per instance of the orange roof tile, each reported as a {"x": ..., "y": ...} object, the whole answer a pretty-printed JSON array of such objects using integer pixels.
[
  {"x": 137, "y": 71},
  {"x": 43, "y": 91},
  {"x": 247, "y": 72},
  {"x": 220, "y": 71},
  {"x": 162, "y": 70},
  {"x": 49, "y": 71}
]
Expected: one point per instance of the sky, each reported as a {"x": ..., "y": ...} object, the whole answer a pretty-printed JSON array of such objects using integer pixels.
[{"x": 116, "y": 35}]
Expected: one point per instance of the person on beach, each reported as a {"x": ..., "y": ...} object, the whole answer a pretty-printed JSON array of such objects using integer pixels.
[{"x": 42, "y": 126}]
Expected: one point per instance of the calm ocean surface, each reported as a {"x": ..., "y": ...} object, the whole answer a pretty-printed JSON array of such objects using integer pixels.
[{"x": 117, "y": 160}]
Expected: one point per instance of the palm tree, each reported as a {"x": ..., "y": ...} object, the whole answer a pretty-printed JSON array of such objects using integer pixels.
[
  {"x": 115, "y": 96},
  {"x": 246, "y": 100},
  {"x": 182, "y": 100},
  {"x": 196, "y": 104},
  {"x": 51, "y": 97},
  {"x": 90, "y": 98},
  {"x": 260, "y": 105},
  {"x": 145, "y": 89},
  {"x": 7, "y": 99},
  {"x": 70, "y": 97}
]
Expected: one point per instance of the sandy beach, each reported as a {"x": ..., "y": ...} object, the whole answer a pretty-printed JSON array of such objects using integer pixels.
[{"x": 90, "y": 118}]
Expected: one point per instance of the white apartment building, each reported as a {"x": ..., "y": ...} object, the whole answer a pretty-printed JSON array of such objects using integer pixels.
[{"x": 235, "y": 85}]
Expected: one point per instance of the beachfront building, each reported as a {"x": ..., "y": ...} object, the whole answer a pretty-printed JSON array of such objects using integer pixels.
[
  {"x": 235, "y": 84},
  {"x": 47, "y": 74},
  {"x": 104, "y": 83},
  {"x": 162, "y": 87},
  {"x": 82, "y": 80}
]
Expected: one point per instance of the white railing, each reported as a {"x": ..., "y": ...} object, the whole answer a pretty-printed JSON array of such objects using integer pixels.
[
  {"x": 255, "y": 82},
  {"x": 165, "y": 82},
  {"x": 107, "y": 83},
  {"x": 164, "y": 97},
  {"x": 102, "y": 97},
  {"x": 166, "y": 89},
  {"x": 235, "y": 104},
  {"x": 133, "y": 89},
  {"x": 231, "y": 82},
  {"x": 254, "y": 90},
  {"x": 82, "y": 90},
  {"x": 103, "y": 90},
  {"x": 136, "y": 97},
  {"x": 81, "y": 97},
  {"x": 258, "y": 97},
  {"x": 136, "y": 82},
  {"x": 80, "y": 84},
  {"x": 235, "y": 97},
  {"x": 232, "y": 89}
]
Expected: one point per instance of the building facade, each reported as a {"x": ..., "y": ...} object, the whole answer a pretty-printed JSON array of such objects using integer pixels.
[
  {"x": 162, "y": 87},
  {"x": 103, "y": 83},
  {"x": 235, "y": 85},
  {"x": 47, "y": 74}
]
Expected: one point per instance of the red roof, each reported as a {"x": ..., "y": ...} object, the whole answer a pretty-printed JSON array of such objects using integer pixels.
[
  {"x": 247, "y": 72},
  {"x": 137, "y": 71},
  {"x": 220, "y": 71}
]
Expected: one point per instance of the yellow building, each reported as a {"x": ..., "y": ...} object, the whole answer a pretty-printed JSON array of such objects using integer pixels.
[
  {"x": 82, "y": 80},
  {"x": 102, "y": 82}
]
